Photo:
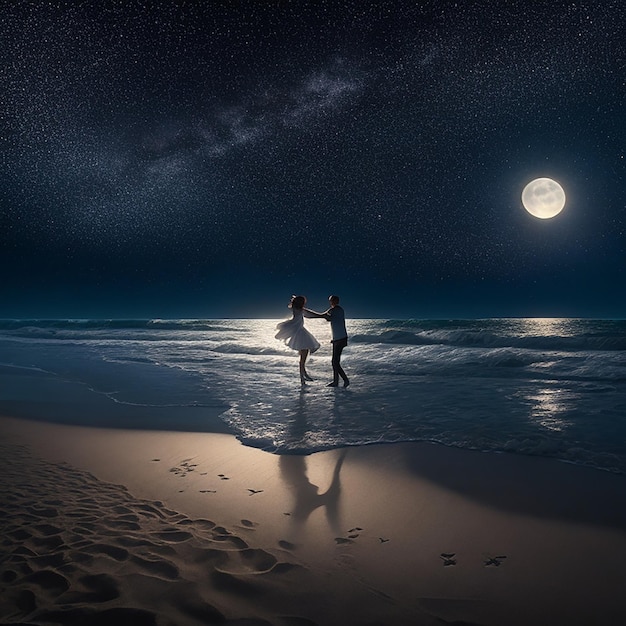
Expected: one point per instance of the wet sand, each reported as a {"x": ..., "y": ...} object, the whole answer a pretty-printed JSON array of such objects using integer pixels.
[{"x": 149, "y": 527}]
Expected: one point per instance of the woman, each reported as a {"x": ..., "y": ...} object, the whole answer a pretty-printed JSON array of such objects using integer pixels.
[{"x": 296, "y": 336}]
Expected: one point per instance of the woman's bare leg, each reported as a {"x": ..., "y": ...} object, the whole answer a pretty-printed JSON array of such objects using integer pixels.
[{"x": 303, "y": 375}]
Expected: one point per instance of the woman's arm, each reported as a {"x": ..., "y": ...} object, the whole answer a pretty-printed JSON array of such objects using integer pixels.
[{"x": 309, "y": 313}]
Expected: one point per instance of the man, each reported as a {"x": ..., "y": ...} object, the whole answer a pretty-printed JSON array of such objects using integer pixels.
[{"x": 337, "y": 318}]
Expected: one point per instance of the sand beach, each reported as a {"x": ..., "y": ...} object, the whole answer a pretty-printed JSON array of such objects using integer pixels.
[
  {"x": 194, "y": 198},
  {"x": 118, "y": 526}
]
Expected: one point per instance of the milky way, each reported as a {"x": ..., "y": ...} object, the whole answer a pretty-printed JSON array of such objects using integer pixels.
[{"x": 300, "y": 145}]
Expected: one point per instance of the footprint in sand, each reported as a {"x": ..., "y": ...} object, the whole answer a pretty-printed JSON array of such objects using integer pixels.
[
  {"x": 150, "y": 511},
  {"x": 248, "y": 524},
  {"x": 93, "y": 588},
  {"x": 203, "y": 524},
  {"x": 24, "y": 600},
  {"x": 207, "y": 491},
  {"x": 50, "y": 560},
  {"x": 159, "y": 568},
  {"x": 255, "y": 491},
  {"x": 173, "y": 536},
  {"x": 494, "y": 561},
  {"x": 383, "y": 540},
  {"x": 248, "y": 561},
  {"x": 343, "y": 540},
  {"x": 448, "y": 558},
  {"x": 48, "y": 512},
  {"x": 20, "y": 534},
  {"x": 223, "y": 477},
  {"x": 229, "y": 539},
  {"x": 47, "y": 543},
  {"x": 49, "y": 581},
  {"x": 47, "y": 529},
  {"x": 198, "y": 610},
  {"x": 8, "y": 576},
  {"x": 184, "y": 468},
  {"x": 110, "y": 550}
]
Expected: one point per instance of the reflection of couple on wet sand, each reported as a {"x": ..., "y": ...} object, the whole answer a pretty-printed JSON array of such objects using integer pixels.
[
  {"x": 297, "y": 337},
  {"x": 307, "y": 497}
]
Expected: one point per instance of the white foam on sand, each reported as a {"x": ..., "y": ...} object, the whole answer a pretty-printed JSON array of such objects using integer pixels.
[{"x": 552, "y": 388}]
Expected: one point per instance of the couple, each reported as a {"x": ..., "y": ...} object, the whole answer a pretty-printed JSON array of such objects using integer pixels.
[{"x": 297, "y": 337}]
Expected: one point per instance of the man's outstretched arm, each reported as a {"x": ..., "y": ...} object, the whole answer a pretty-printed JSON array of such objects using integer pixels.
[{"x": 308, "y": 313}]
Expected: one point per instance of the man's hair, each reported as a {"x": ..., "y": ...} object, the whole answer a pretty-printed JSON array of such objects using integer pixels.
[{"x": 334, "y": 299}]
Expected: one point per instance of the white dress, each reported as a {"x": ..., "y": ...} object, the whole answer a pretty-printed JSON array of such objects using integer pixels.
[{"x": 295, "y": 335}]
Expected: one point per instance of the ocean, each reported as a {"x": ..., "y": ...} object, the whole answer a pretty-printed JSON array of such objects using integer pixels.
[{"x": 544, "y": 387}]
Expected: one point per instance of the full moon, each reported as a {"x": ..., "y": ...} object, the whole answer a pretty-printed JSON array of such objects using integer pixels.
[{"x": 543, "y": 197}]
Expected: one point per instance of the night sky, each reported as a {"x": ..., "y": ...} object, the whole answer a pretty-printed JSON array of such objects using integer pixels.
[{"x": 180, "y": 159}]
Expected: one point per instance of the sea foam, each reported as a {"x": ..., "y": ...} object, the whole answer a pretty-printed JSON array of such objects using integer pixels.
[{"x": 545, "y": 387}]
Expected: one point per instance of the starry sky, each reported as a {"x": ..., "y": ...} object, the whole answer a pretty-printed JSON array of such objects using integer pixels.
[{"x": 180, "y": 159}]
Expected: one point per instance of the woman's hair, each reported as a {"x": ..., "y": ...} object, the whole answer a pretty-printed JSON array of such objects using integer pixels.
[{"x": 297, "y": 302}]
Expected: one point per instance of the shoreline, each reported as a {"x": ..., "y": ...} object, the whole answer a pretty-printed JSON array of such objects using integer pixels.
[{"x": 400, "y": 533}]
